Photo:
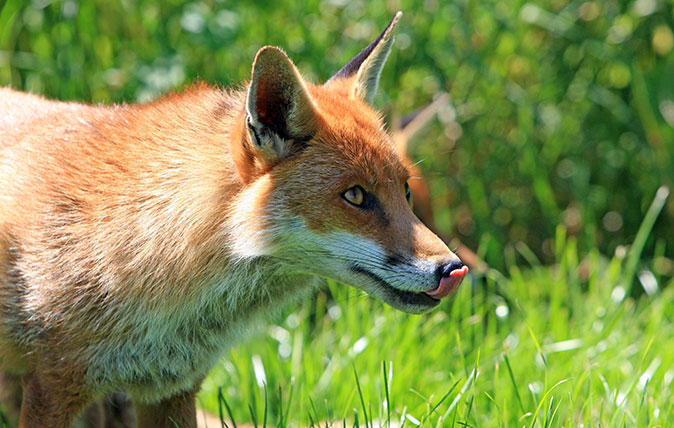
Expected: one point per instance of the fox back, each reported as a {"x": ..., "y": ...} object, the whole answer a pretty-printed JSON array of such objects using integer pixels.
[{"x": 138, "y": 242}]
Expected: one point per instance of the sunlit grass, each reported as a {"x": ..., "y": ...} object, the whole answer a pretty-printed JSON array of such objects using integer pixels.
[{"x": 540, "y": 347}]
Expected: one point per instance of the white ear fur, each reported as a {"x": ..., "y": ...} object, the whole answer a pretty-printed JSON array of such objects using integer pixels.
[
  {"x": 366, "y": 67},
  {"x": 280, "y": 111}
]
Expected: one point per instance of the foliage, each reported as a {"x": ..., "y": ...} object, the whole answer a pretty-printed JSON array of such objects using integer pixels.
[{"x": 562, "y": 111}]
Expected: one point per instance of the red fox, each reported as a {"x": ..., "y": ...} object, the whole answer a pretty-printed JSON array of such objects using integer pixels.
[{"x": 139, "y": 242}]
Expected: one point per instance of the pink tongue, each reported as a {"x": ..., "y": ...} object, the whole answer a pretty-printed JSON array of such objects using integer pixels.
[{"x": 449, "y": 284}]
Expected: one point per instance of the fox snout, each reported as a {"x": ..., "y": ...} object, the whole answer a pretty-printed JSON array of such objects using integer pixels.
[
  {"x": 450, "y": 275},
  {"x": 411, "y": 270},
  {"x": 437, "y": 270}
]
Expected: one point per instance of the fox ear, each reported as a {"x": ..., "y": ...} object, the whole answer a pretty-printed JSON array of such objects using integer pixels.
[
  {"x": 365, "y": 68},
  {"x": 280, "y": 112}
]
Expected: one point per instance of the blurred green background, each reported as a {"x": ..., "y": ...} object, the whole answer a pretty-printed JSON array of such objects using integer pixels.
[{"x": 562, "y": 112}]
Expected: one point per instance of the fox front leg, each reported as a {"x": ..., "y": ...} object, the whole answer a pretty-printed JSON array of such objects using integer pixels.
[
  {"x": 177, "y": 411},
  {"x": 51, "y": 401}
]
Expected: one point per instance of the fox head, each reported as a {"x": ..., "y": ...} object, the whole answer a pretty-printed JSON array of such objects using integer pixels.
[{"x": 325, "y": 191}]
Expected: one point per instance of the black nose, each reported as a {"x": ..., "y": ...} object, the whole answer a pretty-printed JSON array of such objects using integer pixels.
[{"x": 446, "y": 268}]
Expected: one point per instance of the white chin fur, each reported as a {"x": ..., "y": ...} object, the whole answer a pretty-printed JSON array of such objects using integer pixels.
[
  {"x": 414, "y": 275},
  {"x": 360, "y": 262}
]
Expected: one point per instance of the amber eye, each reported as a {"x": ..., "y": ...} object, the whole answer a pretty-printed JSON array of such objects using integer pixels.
[
  {"x": 355, "y": 195},
  {"x": 408, "y": 194}
]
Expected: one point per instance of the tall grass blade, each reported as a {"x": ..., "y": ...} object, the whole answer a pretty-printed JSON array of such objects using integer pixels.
[
  {"x": 252, "y": 415},
  {"x": 266, "y": 407},
  {"x": 540, "y": 404},
  {"x": 280, "y": 408},
  {"x": 368, "y": 423},
  {"x": 290, "y": 397},
  {"x": 221, "y": 400},
  {"x": 465, "y": 387},
  {"x": 470, "y": 407},
  {"x": 313, "y": 421},
  {"x": 548, "y": 413},
  {"x": 443, "y": 398},
  {"x": 512, "y": 378},
  {"x": 642, "y": 235},
  {"x": 538, "y": 345},
  {"x": 388, "y": 399},
  {"x": 500, "y": 422}
]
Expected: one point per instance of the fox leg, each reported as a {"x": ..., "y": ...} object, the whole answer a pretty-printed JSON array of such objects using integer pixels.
[
  {"x": 51, "y": 401},
  {"x": 118, "y": 411},
  {"x": 114, "y": 411},
  {"x": 177, "y": 411},
  {"x": 94, "y": 416}
]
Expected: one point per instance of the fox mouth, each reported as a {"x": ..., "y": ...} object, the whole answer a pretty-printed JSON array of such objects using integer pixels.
[{"x": 402, "y": 298}]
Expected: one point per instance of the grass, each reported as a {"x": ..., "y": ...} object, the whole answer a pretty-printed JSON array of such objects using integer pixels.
[{"x": 544, "y": 346}]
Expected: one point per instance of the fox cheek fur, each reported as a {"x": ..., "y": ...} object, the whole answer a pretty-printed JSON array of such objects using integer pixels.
[{"x": 139, "y": 242}]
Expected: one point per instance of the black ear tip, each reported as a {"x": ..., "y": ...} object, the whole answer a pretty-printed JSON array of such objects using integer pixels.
[
  {"x": 352, "y": 66},
  {"x": 391, "y": 25}
]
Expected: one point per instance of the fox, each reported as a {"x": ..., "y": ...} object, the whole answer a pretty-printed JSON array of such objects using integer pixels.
[{"x": 140, "y": 242}]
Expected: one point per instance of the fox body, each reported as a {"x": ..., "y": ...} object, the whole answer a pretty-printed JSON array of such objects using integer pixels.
[{"x": 138, "y": 242}]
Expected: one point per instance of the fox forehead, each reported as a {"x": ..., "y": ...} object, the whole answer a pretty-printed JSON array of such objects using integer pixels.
[{"x": 353, "y": 134}]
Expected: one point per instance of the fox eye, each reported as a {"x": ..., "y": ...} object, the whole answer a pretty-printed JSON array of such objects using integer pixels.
[
  {"x": 408, "y": 194},
  {"x": 355, "y": 195}
]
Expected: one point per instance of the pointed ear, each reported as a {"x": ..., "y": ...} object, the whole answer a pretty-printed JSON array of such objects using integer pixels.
[
  {"x": 280, "y": 112},
  {"x": 365, "y": 68}
]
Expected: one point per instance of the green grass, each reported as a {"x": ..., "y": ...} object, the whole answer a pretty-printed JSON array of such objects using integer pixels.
[{"x": 544, "y": 346}]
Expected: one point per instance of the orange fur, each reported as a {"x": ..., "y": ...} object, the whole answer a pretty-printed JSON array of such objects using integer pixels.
[{"x": 138, "y": 242}]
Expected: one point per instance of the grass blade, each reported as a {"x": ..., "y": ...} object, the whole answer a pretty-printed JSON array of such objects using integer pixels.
[
  {"x": 465, "y": 387},
  {"x": 548, "y": 414},
  {"x": 368, "y": 423},
  {"x": 266, "y": 407},
  {"x": 280, "y": 407},
  {"x": 512, "y": 378},
  {"x": 290, "y": 397},
  {"x": 388, "y": 399},
  {"x": 221, "y": 400},
  {"x": 540, "y": 404},
  {"x": 252, "y": 415},
  {"x": 443, "y": 398},
  {"x": 642, "y": 235},
  {"x": 313, "y": 422}
]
